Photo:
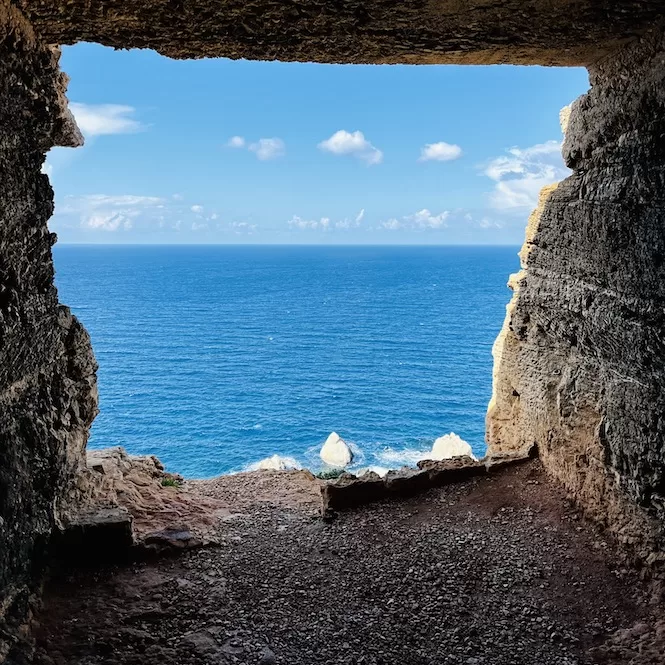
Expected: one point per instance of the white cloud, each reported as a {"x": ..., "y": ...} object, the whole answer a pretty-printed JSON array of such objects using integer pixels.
[
  {"x": 110, "y": 213},
  {"x": 325, "y": 223},
  {"x": 440, "y": 152},
  {"x": 487, "y": 223},
  {"x": 299, "y": 223},
  {"x": 105, "y": 119},
  {"x": 391, "y": 225},
  {"x": 117, "y": 213},
  {"x": 107, "y": 221},
  {"x": 236, "y": 142},
  {"x": 522, "y": 173},
  {"x": 352, "y": 143},
  {"x": 266, "y": 149},
  {"x": 243, "y": 227},
  {"x": 422, "y": 220}
]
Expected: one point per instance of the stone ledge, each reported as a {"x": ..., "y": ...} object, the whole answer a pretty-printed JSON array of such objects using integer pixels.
[
  {"x": 105, "y": 534},
  {"x": 349, "y": 491}
]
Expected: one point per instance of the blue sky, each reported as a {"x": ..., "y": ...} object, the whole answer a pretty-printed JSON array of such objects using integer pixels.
[{"x": 219, "y": 151}]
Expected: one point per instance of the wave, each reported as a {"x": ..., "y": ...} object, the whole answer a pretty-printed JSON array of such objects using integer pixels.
[
  {"x": 379, "y": 470},
  {"x": 405, "y": 457},
  {"x": 275, "y": 463}
]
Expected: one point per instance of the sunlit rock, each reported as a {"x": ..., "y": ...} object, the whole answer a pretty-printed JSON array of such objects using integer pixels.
[
  {"x": 449, "y": 446},
  {"x": 336, "y": 452}
]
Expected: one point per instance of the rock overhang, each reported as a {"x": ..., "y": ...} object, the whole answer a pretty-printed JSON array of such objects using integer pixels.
[{"x": 541, "y": 32}]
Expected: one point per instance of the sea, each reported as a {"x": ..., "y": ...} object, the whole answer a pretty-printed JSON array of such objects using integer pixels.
[{"x": 215, "y": 357}]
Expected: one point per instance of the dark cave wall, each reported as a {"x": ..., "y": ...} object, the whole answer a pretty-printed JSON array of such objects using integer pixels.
[
  {"x": 580, "y": 364},
  {"x": 47, "y": 371},
  {"x": 546, "y": 32}
]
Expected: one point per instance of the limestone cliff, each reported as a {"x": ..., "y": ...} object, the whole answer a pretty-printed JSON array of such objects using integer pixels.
[
  {"x": 47, "y": 371},
  {"x": 580, "y": 363}
]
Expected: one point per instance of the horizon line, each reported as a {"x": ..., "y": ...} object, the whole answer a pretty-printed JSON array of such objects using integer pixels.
[{"x": 275, "y": 244}]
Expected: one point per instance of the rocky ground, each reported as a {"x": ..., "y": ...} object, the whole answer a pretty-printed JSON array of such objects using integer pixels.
[{"x": 495, "y": 570}]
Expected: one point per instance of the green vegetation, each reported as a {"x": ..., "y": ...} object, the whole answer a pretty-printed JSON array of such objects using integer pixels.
[
  {"x": 330, "y": 474},
  {"x": 170, "y": 481}
]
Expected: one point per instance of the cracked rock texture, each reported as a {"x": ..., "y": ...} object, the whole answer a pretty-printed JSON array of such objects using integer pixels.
[
  {"x": 580, "y": 363},
  {"x": 48, "y": 395},
  {"x": 549, "y": 32}
]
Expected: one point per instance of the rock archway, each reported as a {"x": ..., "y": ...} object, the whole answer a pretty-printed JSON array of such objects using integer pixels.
[{"x": 580, "y": 364}]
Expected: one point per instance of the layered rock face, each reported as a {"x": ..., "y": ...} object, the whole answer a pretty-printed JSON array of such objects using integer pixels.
[
  {"x": 580, "y": 363},
  {"x": 47, "y": 371}
]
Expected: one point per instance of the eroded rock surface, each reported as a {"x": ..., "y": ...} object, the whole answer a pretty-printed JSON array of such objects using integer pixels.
[
  {"x": 161, "y": 510},
  {"x": 580, "y": 364},
  {"x": 549, "y": 32}
]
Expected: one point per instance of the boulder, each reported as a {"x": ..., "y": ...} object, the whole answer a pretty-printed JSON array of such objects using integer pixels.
[
  {"x": 336, "y": 452},
  {"x": 449, "y": 446}
]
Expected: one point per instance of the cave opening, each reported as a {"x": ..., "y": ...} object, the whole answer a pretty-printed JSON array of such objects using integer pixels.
[
  {"x": 289, "y": 325},
  {"x": 578, "y": 369}
]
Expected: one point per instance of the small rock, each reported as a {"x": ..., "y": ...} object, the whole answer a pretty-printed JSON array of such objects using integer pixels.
[{"x": 267, "y": 657}]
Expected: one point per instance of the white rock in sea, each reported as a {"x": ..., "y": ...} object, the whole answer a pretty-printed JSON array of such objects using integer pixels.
[
  {"x": 336, "y": 451},
  {"x": 449, "y": 446},
  {"x": 275, "y": 463}
]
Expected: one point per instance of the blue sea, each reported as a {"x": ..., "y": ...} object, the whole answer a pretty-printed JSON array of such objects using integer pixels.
[{"x": 214, "y": 357}]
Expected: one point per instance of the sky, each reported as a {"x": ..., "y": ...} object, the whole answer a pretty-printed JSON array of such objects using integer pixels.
[{"x": 221, "y": 151}]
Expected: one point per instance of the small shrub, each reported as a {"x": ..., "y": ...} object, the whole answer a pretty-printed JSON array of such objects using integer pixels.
[
  {"x": 329, "y": 474},
  {"x": 170, "y": 481}
]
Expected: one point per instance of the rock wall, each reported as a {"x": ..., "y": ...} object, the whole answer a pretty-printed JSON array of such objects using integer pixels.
[
  {"x": 580, "y": 363},
  {"x": 48, "y": 393}
]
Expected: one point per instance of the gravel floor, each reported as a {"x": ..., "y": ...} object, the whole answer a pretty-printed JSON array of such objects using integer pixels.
[{"x": 493, "y": 571}]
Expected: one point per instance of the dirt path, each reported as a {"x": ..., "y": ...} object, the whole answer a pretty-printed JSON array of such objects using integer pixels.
[{"x": 492, "y": 571}]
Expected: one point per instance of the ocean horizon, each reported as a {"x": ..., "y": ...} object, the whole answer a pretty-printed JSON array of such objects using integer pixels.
[{"x": 213, "y": 357}]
